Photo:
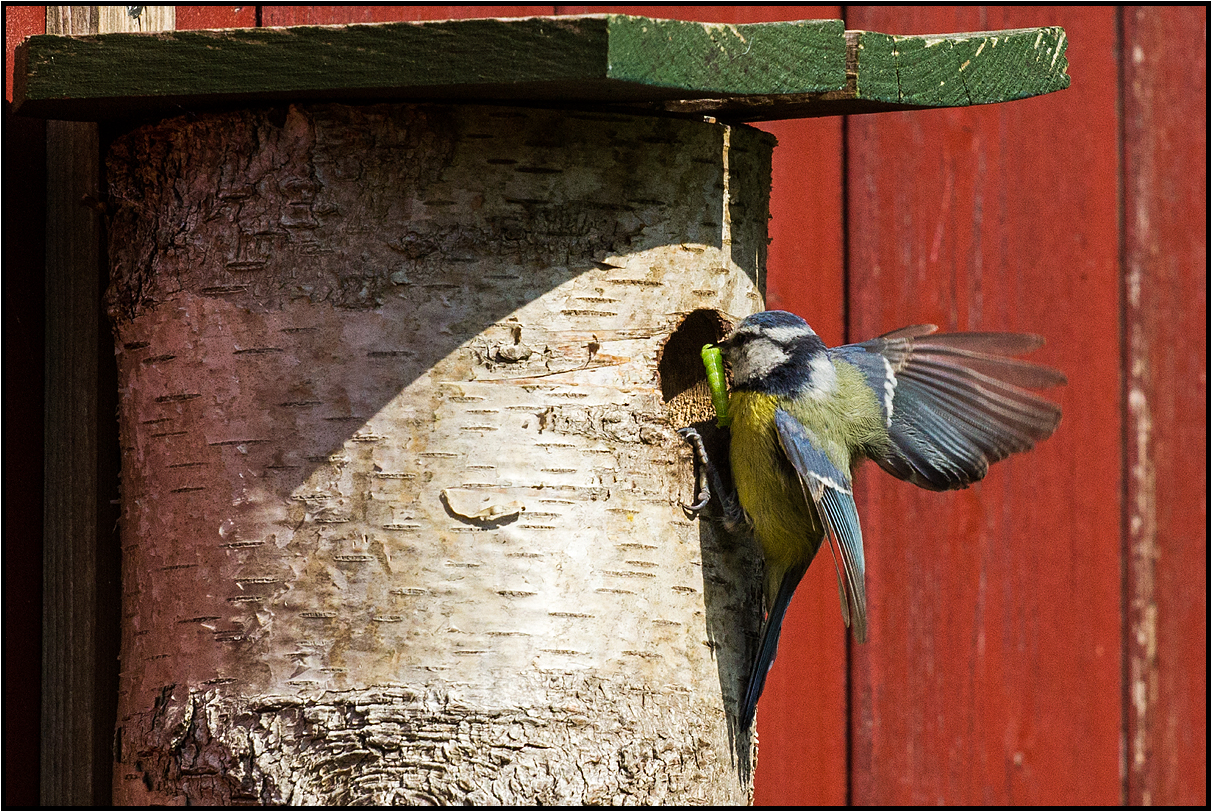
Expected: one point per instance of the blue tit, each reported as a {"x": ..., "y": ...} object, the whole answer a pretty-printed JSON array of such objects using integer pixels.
[{"x": 934, "y": 410}]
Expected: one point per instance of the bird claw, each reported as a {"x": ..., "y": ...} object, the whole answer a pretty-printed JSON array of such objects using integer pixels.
[
  {"x": 709, "y": 484},
  {"x": 701, "y": 471}
]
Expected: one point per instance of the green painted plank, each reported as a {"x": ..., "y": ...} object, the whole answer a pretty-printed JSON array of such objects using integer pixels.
[
  {"x": 743, "y": 72},
  {"x": 808, "y": 56},
  {"x": 309, "y": 59},
  {"x": 956, "y": 70},
  {"x": 601, "y": 58}
]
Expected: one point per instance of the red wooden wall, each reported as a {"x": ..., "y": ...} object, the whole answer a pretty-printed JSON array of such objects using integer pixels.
[{"x": 1040, "y": 638}]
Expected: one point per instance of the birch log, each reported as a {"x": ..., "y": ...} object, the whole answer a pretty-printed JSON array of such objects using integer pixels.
[{"x": 401, "y": 492}]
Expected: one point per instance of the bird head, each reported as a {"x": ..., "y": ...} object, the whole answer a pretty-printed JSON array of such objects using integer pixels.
[{"x": 777, "y": 353}]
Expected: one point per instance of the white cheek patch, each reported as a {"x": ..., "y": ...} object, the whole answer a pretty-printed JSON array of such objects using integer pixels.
[
  {"x": 824, "y": 376},
  {"x": 759, "y": 358}
]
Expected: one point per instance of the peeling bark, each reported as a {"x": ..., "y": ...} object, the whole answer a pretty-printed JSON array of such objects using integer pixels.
[{"x": 401, "y": 491}]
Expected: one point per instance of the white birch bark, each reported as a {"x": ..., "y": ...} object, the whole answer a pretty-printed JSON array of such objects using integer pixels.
[{"x": 401, "y": 492}]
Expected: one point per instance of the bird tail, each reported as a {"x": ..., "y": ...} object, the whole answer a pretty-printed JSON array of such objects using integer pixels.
[
  {"x": 768, "y": 644},
  {"x": 961, "y": 402}
]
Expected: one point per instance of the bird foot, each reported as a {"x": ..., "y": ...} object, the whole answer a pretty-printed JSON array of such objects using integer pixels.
[
  {"x": 702, "y": 470},
  {"x": 709, "y": 483}
]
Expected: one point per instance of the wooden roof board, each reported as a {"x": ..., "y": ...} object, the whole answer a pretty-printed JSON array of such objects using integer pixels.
[{"x": 749, "y": 72}]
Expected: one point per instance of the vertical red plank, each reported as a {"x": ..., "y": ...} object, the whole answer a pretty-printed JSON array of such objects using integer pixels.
[
  {"x": 19, "y": 22},
  {"x": 993, "y": 671},
  {"x": 190, "y": 18},
  {"x": 802, "y": 722},
  {"x": 1166, "y": 320}
]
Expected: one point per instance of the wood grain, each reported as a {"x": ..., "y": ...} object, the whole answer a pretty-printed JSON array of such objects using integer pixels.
[
  {"x": 995, "y": 642},
  {"x": 80, "y": 568},
  {"x": 1166, "y": 437},
  {"x": 19, "y": 22},
  {"x": 194, "y": 17},
  {"x": 343, "y": 14},
  {"x": 741, "y": 72},
  {"x": 74, "y": 770},
  {"x": 956, "y": 70}
]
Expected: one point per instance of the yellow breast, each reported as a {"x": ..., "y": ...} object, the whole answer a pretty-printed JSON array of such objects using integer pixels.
[{"x": 785, "y": 525}]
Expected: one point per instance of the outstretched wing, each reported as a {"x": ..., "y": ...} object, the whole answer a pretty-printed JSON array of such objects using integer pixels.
[
  {"x": 829, "y": 490},
  {"x": 954, "y": 403}
]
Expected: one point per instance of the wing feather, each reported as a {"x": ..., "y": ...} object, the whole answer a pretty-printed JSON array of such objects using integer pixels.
[
  {"x": 828, "y": 489},
  {"x": 959, "y": 401}
]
